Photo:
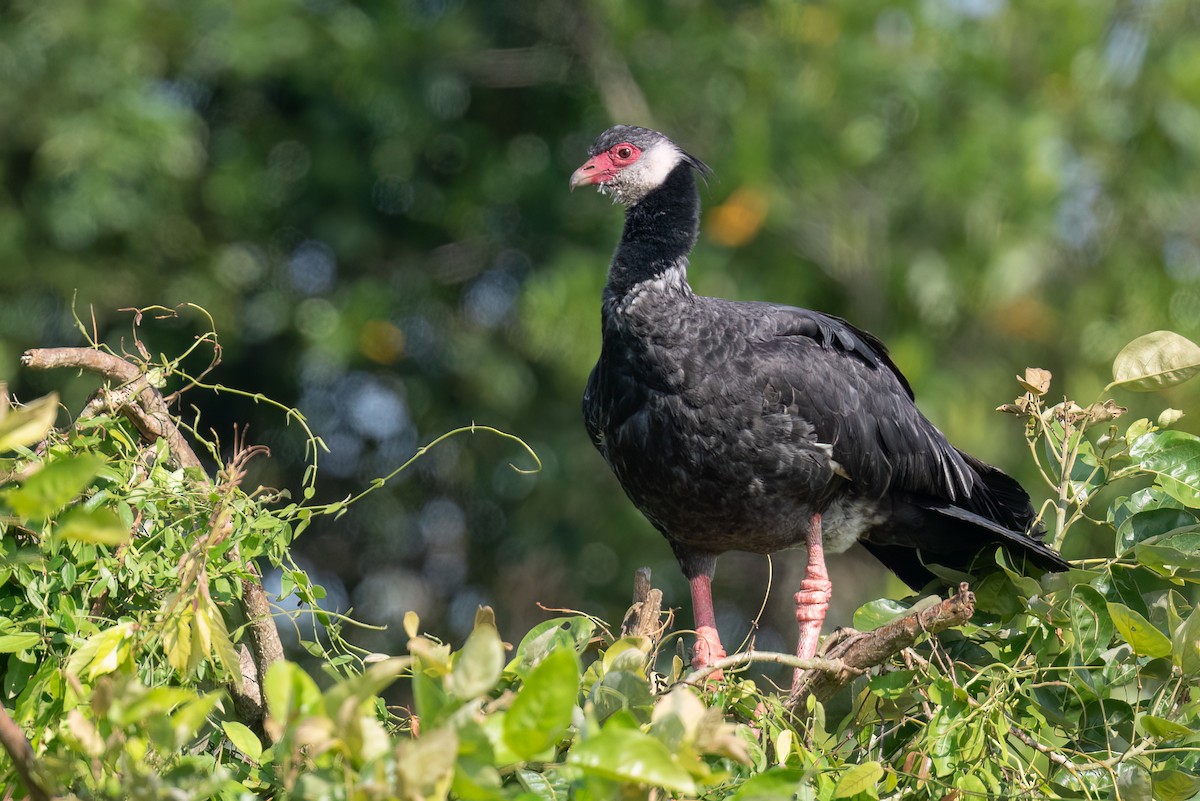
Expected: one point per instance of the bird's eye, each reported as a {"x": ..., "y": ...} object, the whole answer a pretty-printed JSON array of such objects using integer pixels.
[{"x": 624, "y": 152}]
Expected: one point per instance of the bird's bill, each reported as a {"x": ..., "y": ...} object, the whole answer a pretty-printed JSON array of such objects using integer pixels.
[{"x": 598, "y": 169}]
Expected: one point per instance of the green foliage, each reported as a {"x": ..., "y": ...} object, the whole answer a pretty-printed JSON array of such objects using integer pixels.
[
  {"x": 372, "y": 195},
  {"x": 113, "y": 651}
]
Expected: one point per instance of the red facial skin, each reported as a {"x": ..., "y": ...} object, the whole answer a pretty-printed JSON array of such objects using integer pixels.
[{"x": 603, "y": 167}]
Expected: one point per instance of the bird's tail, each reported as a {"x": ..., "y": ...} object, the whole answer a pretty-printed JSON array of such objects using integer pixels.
[{"x": 924, "y": 533}]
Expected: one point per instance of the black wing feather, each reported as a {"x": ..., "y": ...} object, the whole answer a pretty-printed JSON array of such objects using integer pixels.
[{"x": 844, "y": 382}]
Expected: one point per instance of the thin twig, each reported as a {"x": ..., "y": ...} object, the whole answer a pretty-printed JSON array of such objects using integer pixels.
[
  {"x": 1050, "y": 753},
  {"x": 835, "y": 666}
]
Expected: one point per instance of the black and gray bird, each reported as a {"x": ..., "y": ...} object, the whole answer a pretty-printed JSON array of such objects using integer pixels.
[{"x": 758, "y": 427}]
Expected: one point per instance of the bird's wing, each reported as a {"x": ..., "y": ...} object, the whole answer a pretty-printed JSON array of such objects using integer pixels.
[
  {"x": 842, "y": 381},
  {"x": 593, "y": 415}
]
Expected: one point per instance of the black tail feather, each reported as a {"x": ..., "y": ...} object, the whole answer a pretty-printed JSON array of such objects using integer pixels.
[{"x": 925, "y": 531}]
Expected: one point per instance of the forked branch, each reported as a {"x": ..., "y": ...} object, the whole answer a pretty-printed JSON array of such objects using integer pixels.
[{"x": 142, "y": 403}]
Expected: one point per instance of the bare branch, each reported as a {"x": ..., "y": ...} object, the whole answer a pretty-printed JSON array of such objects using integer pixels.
[
  {"x": 862, "y": 650},
  {"x": 149, "y": 414},
  {"x": 818, "y": 664},
  {"x": 644, "y": 618},
  {"x": 21, "y": 753}
]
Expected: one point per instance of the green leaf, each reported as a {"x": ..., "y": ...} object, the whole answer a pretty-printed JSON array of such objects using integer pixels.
[
  {"x": 188, "y": 719},
  {"x": 19, "y": 641},
  {"x": 547, "y": 636},
  {"x": 1174, "y": 459},
  {"x": 880, "y": 612},
  {"x": 1185, "y": 644},
  {"x": 1141, "y": 635},
  {"x": 54, "y": 486},
  {"x": 477, "y": 667},
  {"x": 1163, "y": 729},
  {"x": 1175, "y": 785},
  {"x": 1133, "y": 783},
  {"x": 290, "y": 693},
  {"x": 541, "y": 712},
  {"x": 425, "y": 766},
  {"x": 1090, "y": 620},
  {"x": 27, "y": 425},
  {"x": 861, "y": 778},
  {"x": 629, "y": 755},
  {"x": 1155, "y": 361},
  {"x": 243, "y": 739},
  {"x": 776, "y": 784},
  {"x": 103, "y": 652},
  {"x": 364, "y": 686},
  {"x": 1151, "y": 523},
  {"x": 892, "y": 685},
  {"x": 178, "y": 643},
  {"x": 1169, "y": 552},
  {"x": 210, "y": 620},
  {"x": 97, "y": 526},
  {"x": 972, "y": 786}
]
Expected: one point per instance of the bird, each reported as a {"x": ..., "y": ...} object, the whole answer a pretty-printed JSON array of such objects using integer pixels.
[{"x": 758, "y": 427}]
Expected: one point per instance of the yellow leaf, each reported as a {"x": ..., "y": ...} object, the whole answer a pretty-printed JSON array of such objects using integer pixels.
[
  {"x": 177, "y": 640},
  {"x": 28, "y": 424}
]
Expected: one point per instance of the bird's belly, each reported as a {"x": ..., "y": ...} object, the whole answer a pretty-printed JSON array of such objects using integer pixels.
[
  {"x": 726, "y": 484},
  {"x": 847, "y": 519}
]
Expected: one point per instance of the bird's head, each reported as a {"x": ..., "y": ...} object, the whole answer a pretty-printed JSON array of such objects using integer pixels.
[{"x": 629, "y": 162}]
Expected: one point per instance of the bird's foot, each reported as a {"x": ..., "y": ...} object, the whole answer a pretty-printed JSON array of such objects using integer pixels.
[
  {"x": 708, "y": 650},
  {"x": 812, "y": 602}
]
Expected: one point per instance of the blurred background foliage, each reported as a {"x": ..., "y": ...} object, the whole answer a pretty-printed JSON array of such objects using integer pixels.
[{"x": 370, "y": 198}]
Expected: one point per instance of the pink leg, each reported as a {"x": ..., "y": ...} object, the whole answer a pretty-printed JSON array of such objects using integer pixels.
[
  {"x": 813, "y": 599},
  {"x": 708, "y": 643}
]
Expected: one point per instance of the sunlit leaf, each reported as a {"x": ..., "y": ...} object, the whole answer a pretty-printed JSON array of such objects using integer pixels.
[
  {"x": 776, "y": 784},
  {"x": 98, "y": 526},
  {"x": 27, "y": 425},
  {"x": 10, "y": 643},
  {"x": 1156, "y": 360},
  {"x": 219, "y": 642},
  {"x": 1175, "y": 785},
  {"x": 861, "y": 778},
  {"x": 290, "y": 693},
  {"x": 630, "y": 755},
  {"x": 103, "y": 652},
  {"x": 243, "y": 739},
  {"x": 1090, "y": 621},
  {"x": 54, "y": 486},
  {"x": 542, "y": 710},
  {"x": 1141, "y": 635},
  {"x": 548, "y": 635},
  {"x": 1174, "y": 459},
  {"x": 874, "y": 614},
  {"x": 478, "y": 665},
  {"x": 1185, "y": 644},
  {"x": 177, "y": 638},
  {"x": 425, "y": 766},
  {"x": 1164, "y": 729}
]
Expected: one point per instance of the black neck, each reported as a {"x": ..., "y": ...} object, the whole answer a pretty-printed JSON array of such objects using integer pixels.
[{"x": 660, "y": 230}]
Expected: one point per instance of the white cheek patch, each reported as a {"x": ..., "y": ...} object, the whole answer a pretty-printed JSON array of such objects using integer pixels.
[{"x": 655, "y": 165}]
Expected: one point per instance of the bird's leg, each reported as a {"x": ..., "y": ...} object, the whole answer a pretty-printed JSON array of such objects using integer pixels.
[
  {"x": 708, "y": 644},
  {"x": 813, "y": 599}
]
